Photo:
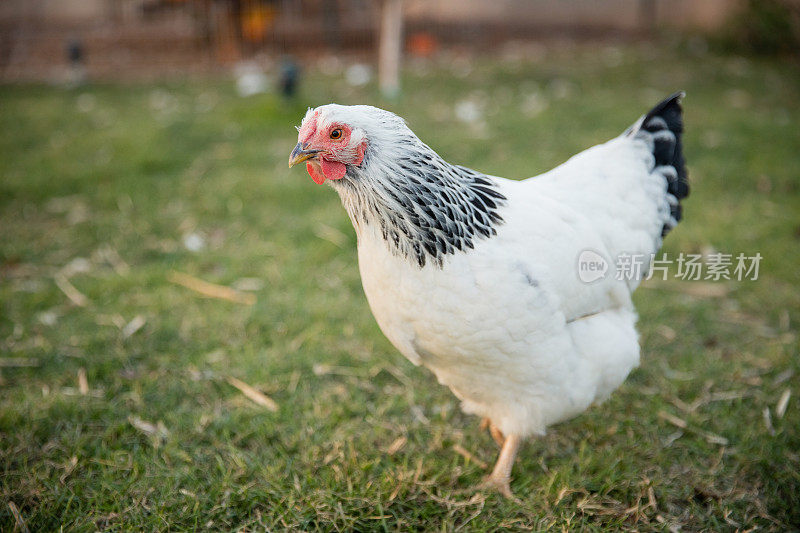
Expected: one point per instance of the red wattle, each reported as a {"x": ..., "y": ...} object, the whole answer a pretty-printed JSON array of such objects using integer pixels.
[
  {"x": 315, "y": 172},
  {"x": 333, "y": 170}
]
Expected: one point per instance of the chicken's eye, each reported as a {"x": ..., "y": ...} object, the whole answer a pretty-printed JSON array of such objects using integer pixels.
[{"x": 336, "y": 134}]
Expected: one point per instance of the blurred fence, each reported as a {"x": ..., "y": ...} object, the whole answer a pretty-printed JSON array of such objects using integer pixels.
[{"x": 140, "y": 38}]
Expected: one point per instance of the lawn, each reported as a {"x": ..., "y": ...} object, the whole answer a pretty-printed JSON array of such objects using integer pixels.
[{"x": 119, "y": 408}]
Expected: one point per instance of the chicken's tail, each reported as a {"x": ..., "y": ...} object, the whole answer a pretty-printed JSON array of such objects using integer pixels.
[{"x": 664, "y": 125}]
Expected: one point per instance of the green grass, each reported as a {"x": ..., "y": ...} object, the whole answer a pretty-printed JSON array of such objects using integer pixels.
[{"x": 107, "y": 181}]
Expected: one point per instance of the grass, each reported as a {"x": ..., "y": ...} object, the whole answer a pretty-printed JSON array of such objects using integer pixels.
[{"x": 104, "y": 187}]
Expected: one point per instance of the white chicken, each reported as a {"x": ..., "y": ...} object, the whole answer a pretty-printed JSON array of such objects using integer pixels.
[{"x": 476, "y": 276}]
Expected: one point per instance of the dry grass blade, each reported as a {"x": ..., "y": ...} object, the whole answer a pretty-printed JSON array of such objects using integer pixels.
[
  {"x": 396, "y": 445},
  {"x": 74, "y": 295},
  {"x": 714, "y": 439},
  {"x": 133, "y": 326},
  {"x": 257, "y": 396},
  {"x": 783, "y": 402},
  {"x": 212, "y": 290},
  {"x": 783, "y": 376},
  {"x": 12, "y": 362},
  {"x": 332, "y": 235},
  {"x": 681, "y": 423},
  {"x": 671, "y": 438},
  {"x": 148, "y": 428},
  {"x": 19, "y": 522},
  {"x": 158, "y": 432},
  {"x": 666, "y": 332},
  {"x": 729, "y": 395},
  {"x": 83, "y": 382},
  {"x": 651, "y": 498},
  {"x": 110, "y": 255},
  {"x": 68, "y": 468},
  {"x": 672, "y": 419},
  {"x": 460, "y": 450},
  {"x": 566, "y": 491},
  {"x": 477, "y": 499},
  {"x": 768, "y": 421}
]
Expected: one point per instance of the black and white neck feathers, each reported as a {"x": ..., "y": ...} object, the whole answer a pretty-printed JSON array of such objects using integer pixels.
[{"x": 424, "y": 208}]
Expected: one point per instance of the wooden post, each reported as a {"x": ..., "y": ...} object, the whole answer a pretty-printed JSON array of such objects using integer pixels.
[{"x": 391, "y": 47}]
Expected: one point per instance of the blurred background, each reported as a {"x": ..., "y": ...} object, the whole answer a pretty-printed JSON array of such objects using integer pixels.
[
  {"x": 136, "y": 39},
  {"x": 184, "y": 341}
]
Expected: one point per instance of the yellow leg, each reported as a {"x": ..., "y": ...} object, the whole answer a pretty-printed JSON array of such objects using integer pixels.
[
  {"x": 497, "y": 435},
  {"x": 500, "y": 478}
]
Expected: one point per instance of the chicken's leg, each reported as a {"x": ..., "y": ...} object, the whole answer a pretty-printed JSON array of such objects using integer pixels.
[
  {"x": 497, "y": 435},
  {"x": 500, "y": 477},
  {"x": 494, "y": 431}
]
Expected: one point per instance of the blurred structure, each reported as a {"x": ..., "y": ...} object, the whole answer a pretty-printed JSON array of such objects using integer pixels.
[
  {"x": 391, "y": 47},
  {"x": 75, "y": 56},
  {"x": 290, "y": 77},
  {"x": 150, "y": 38},
  {"x": 516, "y": 18}
]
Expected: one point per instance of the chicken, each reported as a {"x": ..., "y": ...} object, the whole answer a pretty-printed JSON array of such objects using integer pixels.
[{"x": 476, "y": 277}]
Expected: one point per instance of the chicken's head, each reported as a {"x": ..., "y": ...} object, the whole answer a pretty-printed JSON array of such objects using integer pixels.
[{"x": 328, "y": 142}]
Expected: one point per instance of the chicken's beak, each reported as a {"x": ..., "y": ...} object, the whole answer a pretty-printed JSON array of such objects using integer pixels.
[{"x": 300, "y": 154}]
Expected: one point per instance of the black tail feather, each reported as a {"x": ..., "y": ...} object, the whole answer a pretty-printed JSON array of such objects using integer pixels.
[{"x": 665, "y": 123}]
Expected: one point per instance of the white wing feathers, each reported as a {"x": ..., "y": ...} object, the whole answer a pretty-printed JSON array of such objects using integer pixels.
[
  {"x": 616, "y": 186},
  {"x": 630, "y": 187}
]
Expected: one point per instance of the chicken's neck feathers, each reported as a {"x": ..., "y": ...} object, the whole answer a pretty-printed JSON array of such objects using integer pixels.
[{"x": 423, "y": 207}]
